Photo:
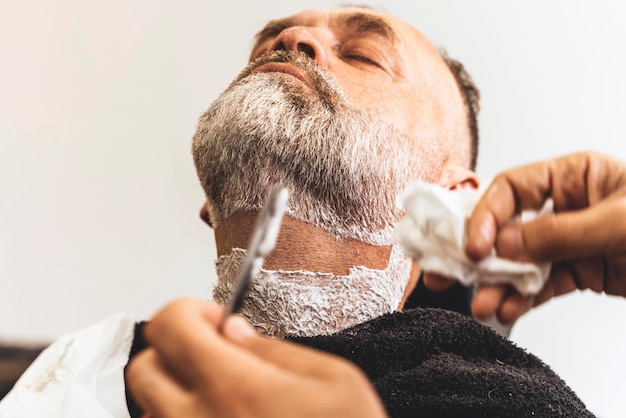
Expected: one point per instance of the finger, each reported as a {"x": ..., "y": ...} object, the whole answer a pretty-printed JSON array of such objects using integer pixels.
[
  {"x": 198, "y": 311},
  {"x": 182, "y": 333},
  {"x": 482, "y": 226},
  {"x": 437, "y": 283},
  {"x": 568, "y": 235},
  {"x": 588, "y": 273},
  {"x": 185, "y": 337},
  {"x": 508, "y": 194},
  {"x": 487, "y": 300},
  {"x": 513, "y": 306},
  {"x": 289, "y": 356},
  {"x": 154, "y": 389},
  {"x": 565, "y": 278},
  {"x": 564, "y": 179},
  {"x": 561, "y": 281}
]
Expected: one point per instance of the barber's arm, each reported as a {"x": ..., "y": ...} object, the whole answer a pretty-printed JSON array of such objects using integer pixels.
[
  {"x": 191, "y": 370},
  {"x": 585, "y": 238}
]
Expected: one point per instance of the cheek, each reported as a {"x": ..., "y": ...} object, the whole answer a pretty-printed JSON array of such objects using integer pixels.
[
  {"x": 411, "y": 105},
  {"x": 369, "y": 91},
  {"x": 387, "y": 102}
]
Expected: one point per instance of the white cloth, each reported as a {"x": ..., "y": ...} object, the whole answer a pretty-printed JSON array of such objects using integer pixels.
[
  {"x": 433, "y": 233},
  {"x": 80, "y": 375}
]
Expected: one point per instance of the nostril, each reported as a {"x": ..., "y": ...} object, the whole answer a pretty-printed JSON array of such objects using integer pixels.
[
  {"x": 280, "y": 47},
  {"x": 307, "y": 49}
]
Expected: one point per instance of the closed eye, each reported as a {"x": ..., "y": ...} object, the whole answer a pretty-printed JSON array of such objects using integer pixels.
[
  {"x": 361, "y": 52},
  {"x": 361, "y": 58}
]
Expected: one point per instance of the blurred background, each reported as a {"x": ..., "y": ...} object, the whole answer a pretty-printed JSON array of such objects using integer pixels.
[{"x": 99, "y": 100}]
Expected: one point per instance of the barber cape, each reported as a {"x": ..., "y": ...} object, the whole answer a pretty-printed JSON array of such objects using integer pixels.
[
  {"x": 79, "y": 375},
  {"x": 424, "y": 362}
]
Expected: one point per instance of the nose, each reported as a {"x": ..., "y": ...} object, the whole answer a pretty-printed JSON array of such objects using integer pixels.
[{"x": 300, "y": 39}]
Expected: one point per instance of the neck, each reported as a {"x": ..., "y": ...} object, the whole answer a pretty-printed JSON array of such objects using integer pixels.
[{"x": 302, "y": 246}]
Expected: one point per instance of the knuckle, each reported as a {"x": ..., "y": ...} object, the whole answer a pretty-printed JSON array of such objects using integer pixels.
[
  {"x": 134, "y": 371},
  {"x": 163, "y": 317},
  {"x": 541, "y": 238},
  {"x": 348, "y": 373},
  {"x": 131, "y": 371},
  {"x": 620, "y": 209},
  {"x": 618, "y": 228},
  {"x": 246, "y": 391}
]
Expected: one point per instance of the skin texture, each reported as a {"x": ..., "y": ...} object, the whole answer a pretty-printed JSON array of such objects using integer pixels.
[
  {"x": 383, "y": 65},
  {"x": 401, "y": 75},
  {"x": 352, "y": 253},
  {"x": 193, "y": 371},
  {"x": 586, "y": 238}
]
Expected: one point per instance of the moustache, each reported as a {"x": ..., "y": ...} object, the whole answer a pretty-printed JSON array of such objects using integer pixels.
[{"x": 305, "y": 68}]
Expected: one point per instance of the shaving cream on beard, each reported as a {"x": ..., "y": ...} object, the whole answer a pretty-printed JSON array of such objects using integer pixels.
[{"x": 306, "y": 303}]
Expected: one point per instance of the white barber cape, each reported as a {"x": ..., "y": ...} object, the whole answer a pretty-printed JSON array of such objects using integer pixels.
[{"x": 80, "y": 375}]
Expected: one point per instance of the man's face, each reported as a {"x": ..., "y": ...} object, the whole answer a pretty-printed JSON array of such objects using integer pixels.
[
  {"x": 344, "y": 108},
  {"x": 382, "y": 64}
]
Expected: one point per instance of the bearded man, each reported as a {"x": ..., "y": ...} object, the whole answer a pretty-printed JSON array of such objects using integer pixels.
[{"x": 343, "y": 108}]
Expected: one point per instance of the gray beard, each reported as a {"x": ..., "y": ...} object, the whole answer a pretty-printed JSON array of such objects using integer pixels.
[
  {"x": 343, "y": 167},
  {"x": 305, "y": 303}
]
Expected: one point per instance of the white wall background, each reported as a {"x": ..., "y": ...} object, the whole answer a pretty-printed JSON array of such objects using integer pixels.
[{"x": 99, "y": 100}]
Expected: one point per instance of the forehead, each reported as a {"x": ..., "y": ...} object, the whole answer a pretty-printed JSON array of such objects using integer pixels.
[
  {"x": 402, "y": 42},
  {"x": 356, "y": 20}
]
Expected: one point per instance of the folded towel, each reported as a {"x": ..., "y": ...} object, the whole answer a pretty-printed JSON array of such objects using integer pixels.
[{"x": 428, "y": 362}]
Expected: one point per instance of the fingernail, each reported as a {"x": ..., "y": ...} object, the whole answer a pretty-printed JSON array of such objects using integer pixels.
[
  {"x": 510, "y": 243},
  {"x": 237, "y": 328}
]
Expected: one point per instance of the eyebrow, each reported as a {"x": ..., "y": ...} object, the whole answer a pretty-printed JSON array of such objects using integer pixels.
[
  {"x": 362, "y": 24},
  {"x": 367, "y": 24},
  {"x": 274, "y": 28}
]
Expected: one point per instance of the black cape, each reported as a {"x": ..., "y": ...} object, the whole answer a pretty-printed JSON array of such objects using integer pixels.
[{"x": 431, "y": 362}]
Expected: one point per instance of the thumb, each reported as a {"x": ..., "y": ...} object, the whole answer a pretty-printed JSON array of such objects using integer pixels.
[
  {"x": 287, "y": 355},
  {"x": 565, "y": 235}
]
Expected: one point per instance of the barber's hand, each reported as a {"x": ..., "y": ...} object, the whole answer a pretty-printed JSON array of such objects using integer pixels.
[
  {"x": 193, "y": 371},
  {"x": 586, "y": 238}
]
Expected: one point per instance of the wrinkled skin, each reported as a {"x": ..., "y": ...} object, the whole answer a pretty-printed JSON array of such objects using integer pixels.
[{"x": 585, "y": 238}]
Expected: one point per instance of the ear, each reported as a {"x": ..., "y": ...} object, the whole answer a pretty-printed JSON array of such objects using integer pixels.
[
  {"x": 204, "y": 215},
  {"x": 455, "y": 177}
]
